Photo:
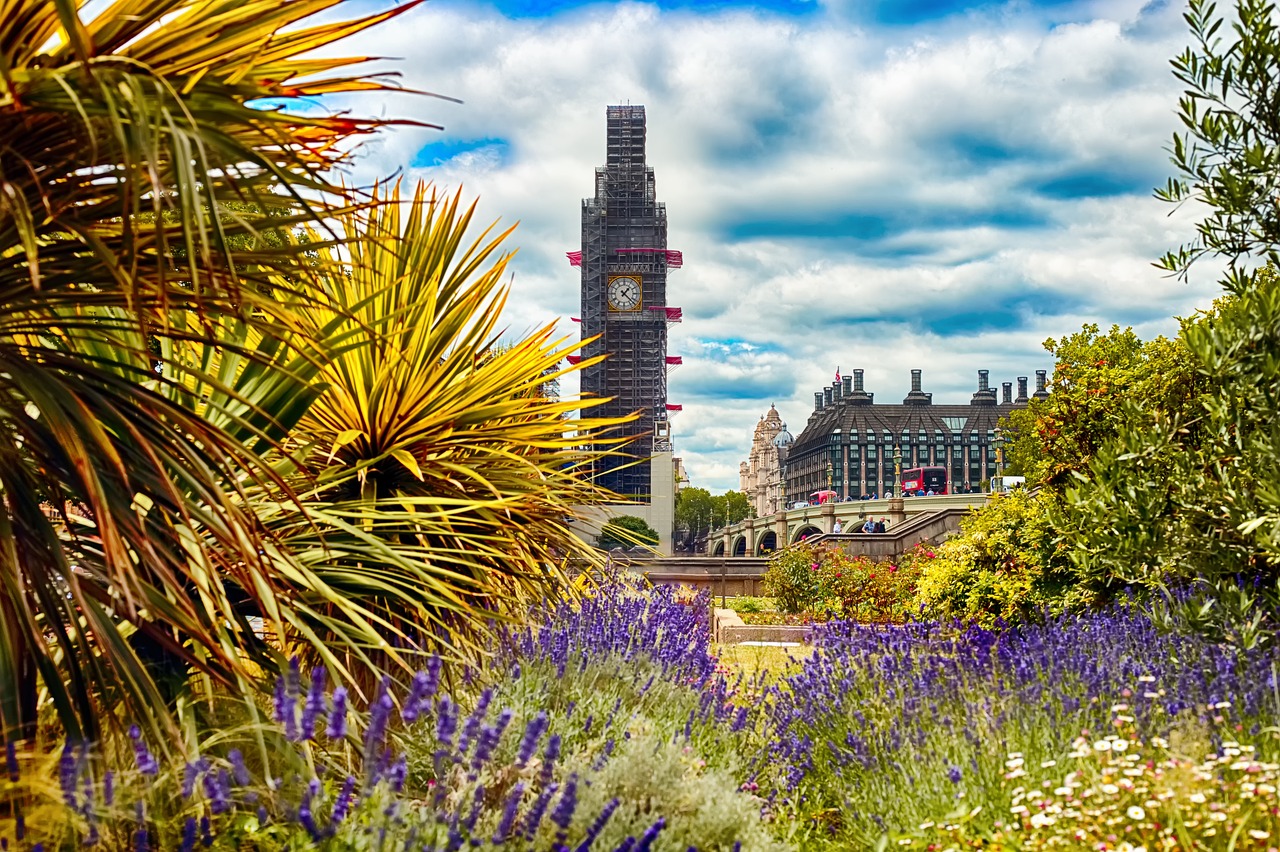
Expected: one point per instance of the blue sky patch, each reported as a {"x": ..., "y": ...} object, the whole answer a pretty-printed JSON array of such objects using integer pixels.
[
  {"x": 551, "y": 8},
  {"x": 1091, "y": 184},
  {"x": 867, "y": 227},
  {"x": 436, "y": 153},
  {"x": 915, "y": 12},
  {"x": 728, "y": 349},
  {"x": 1005, "y": 311}
]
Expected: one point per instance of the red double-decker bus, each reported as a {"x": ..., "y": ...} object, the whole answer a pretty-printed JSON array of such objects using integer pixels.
[{"x": 926, "y": 479}]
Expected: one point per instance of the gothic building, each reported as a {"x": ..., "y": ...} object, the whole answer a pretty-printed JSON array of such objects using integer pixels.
[
  {"x": 850, "y": 441},
  {"x": 624, "y": 261},
  {"x": 760, "y": 477}
]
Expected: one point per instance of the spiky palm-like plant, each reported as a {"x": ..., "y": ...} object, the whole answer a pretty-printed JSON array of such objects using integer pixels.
[
  {"x": 441, "y": 473},
  {"x": 121, "y": 510}
]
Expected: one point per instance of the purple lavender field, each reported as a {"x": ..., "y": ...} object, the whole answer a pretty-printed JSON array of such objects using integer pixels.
[{"x": 610, "y": 725}]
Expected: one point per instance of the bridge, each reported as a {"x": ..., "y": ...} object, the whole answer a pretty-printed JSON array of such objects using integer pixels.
[
  {"x": 762, "y": 536},
  {"x": 729, "y": 570}
]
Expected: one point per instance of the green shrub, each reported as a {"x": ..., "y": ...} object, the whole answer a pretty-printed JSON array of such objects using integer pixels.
[
  {"x": 746, "y": 603},
  {"x": 1191, "y": 502},
  {"x": 792, "y": 577},
  {"x": 1005, "y": 564},
  {"x": 822, "y": 580}
]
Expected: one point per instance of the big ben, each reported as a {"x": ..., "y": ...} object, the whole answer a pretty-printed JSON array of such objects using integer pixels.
[{"x": 624, "y": 262}]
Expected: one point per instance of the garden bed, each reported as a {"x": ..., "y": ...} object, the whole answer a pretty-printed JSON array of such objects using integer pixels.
[{"x": 728, "y": 628}]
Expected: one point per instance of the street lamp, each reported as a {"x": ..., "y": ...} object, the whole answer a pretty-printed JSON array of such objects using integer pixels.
[
  {"x": 999, "y": 451},
  {"x": 830, "y": 472},
  {"x": 897, "y": 470}
]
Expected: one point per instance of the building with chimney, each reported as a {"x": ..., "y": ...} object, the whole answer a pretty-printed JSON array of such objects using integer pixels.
[{"x": 849, "y": 441}]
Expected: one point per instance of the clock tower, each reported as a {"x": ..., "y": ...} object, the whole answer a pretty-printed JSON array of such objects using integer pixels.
[{"x": 624, "y": 262}]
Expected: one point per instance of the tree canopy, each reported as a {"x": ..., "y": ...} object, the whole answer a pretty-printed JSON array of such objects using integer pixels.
[
  {"x": 698, "y": 512},
  {"x": 627, "y": 531},
  {"x": 1097, "y": 378}
]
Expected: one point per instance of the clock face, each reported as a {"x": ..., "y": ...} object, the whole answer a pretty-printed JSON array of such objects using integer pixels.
[{"x": 624, "y": 293}]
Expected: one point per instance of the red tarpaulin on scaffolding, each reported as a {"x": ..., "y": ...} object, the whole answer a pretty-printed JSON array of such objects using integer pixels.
[
  {"x": 675, "y": 314},
  {"x": 675, "y": 359},
  {"x": 573, "y": 359},
  {"x": 576, "y": 319},
  {"x": 675, "y": 259},
  {"x": 671, "y": 406}
]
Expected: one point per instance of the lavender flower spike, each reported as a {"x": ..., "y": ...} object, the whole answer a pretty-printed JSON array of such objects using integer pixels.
[
  {"x": 651, "y": 835},
  {"x": 238, "y": 769},
  {"x": 314, "y": 707},
  {"x": 67, "y": 774},
  {"x": 532, "y": 733},
  {"x": 568, "y": 803},
  {"x": 337, "y": 728},
  {"x": 598, "y": 826},
  {"x": 379, "y": 716},
  {"x": 146, "y": 763},
  {"x": 509, "y": 814},
  {"x": 446, "y": 721},
  {"x": 343, "y": 802}
]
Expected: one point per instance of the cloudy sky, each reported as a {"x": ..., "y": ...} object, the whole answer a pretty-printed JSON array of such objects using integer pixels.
[{"x": 883, "y": 184}]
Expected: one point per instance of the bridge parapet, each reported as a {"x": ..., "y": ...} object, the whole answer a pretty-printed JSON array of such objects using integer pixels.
[
  {"x": 755, "y": 536},
  {"x": 742, "y": 575}
]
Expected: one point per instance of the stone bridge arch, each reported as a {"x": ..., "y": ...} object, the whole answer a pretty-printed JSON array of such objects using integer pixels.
[
  {"x": 718, "y": 550},
  {"x": 767, "y": 544},
  {"x": 740, "y": 546},
  {"x": 805, "y": 530}
]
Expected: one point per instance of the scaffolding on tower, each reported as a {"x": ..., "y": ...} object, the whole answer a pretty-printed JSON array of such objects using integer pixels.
[{"x": 624, "y": 234}]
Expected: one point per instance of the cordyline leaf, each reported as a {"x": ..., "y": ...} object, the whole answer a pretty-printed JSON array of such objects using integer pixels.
[
  {"x": 450, "y": 465},
  {"x": 150, "y": 351}
]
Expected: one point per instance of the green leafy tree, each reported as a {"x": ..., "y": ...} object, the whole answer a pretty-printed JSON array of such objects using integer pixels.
[
  {"x": 1095, "y": 377},
  {"x": 694, "y": 514},
  {"x": 731, "y": 505},
  {"x": 1193, "y": 504},
  {"x": 1228, "y": 156},
  {"x": 627, "y": 531},
  {"x": 1187, "y": 504},
  {"x": 698, "y": 512}
]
